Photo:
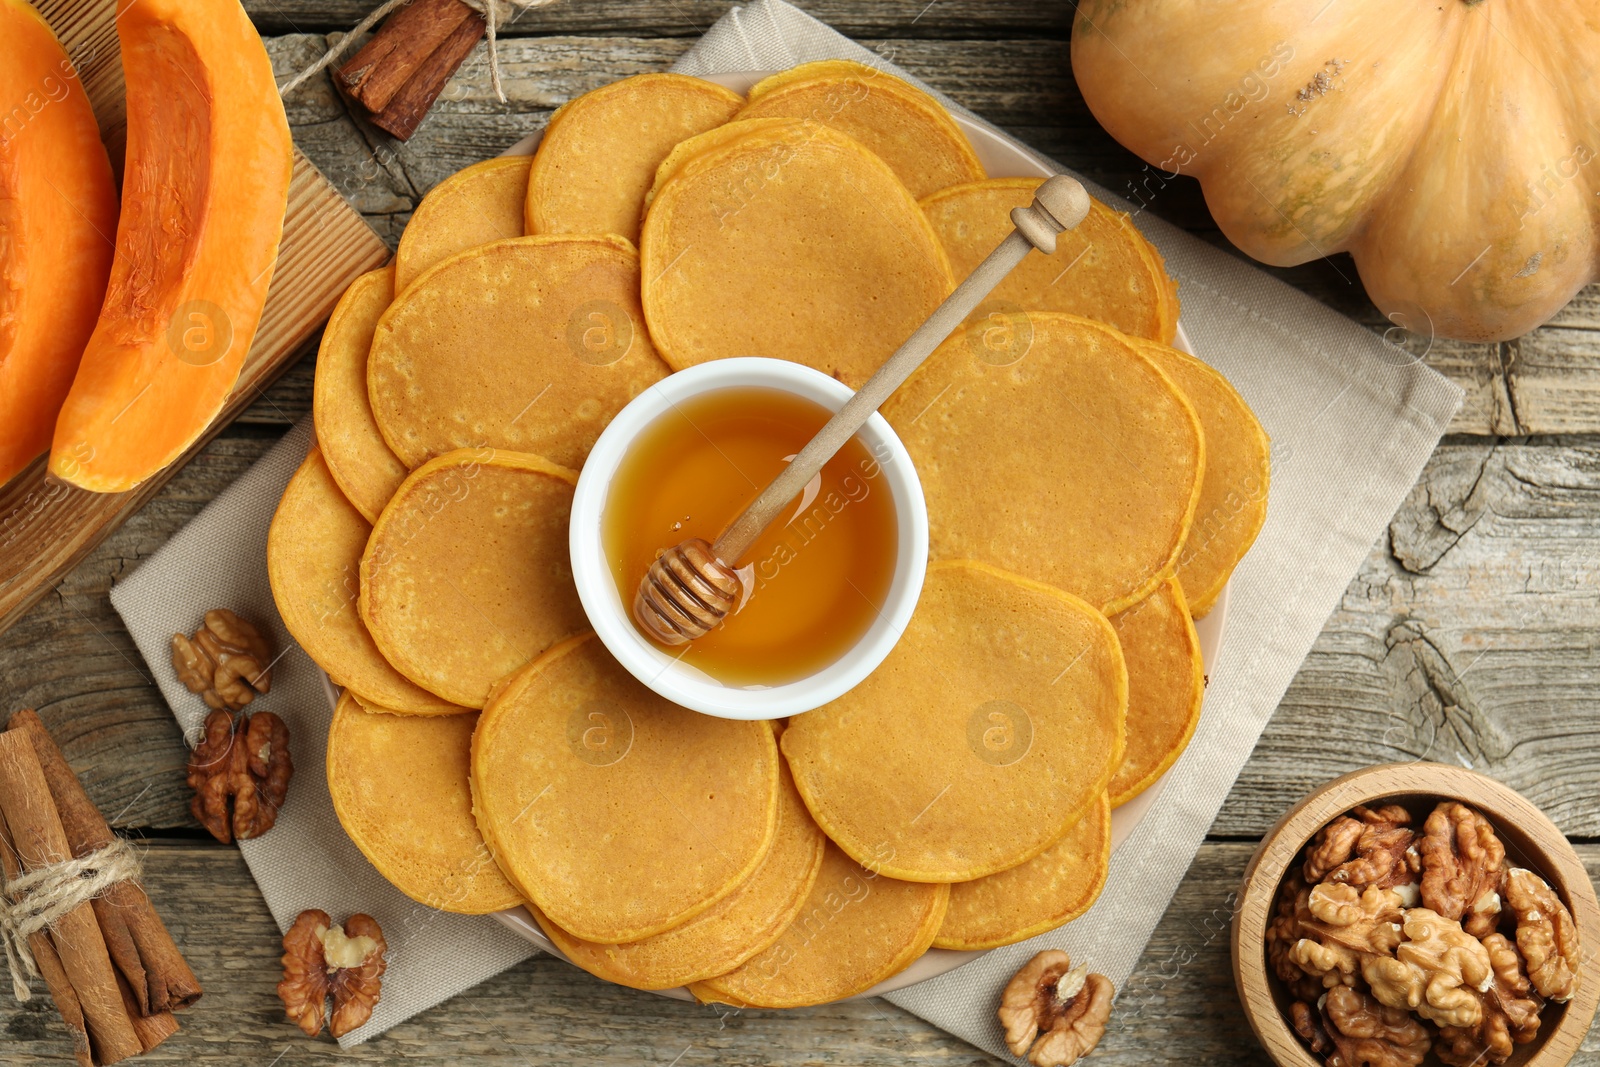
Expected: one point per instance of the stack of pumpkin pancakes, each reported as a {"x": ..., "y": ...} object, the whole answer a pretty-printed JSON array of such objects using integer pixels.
[{"x": 1089, "y": 491}]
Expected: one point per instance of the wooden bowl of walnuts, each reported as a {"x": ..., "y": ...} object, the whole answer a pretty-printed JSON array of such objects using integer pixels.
[{"x": 1417, "y": 913}]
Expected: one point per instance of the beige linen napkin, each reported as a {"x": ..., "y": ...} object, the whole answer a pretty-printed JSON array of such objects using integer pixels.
[
  {"x": 1352, "y": 425},
  {"x": 1352, "y": 422}
]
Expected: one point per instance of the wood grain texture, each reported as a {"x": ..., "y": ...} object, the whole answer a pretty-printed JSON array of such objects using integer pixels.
[{"x": 1469, "y": 636}]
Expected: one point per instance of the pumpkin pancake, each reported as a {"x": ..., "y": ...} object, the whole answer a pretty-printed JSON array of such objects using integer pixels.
[
  {"x": 366, "y": 470},
  {"x": 784, "y": 238},
  {"x": 313, "y": 562},
  {"x": 729, "y": 932},
  {"x": 466, "y": 575},
  {"x": 1233, "y": 494},
  {"x": 1055, "y": 887},
  {"x": 856, "y": 928},
  {"x": 1103, "y": 270},
  {"x": 1166, "y": 684},
  {"x": 400, "y": 788},
  {"x": 904, "y": 126},
  {"x": 600, "y": 151},
  {"x": 531, "y": 344},
  {"x": 1071, "y": 460},
  {"x": 988, "y": 731},
  {"x": 617, "y": 813},
  {"x": 472, "y": 207}
]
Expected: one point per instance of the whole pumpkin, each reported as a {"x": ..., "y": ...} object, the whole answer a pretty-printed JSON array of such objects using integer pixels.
[{"x": 1449, "y": 146}]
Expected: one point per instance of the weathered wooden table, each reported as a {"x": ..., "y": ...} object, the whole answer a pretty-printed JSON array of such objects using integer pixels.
[{"x": 1469, "y": 636}]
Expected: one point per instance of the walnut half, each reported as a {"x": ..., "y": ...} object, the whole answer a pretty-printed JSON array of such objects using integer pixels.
[
  {"x": 1510, "y": 1013},
  {"x": 1546, "y": 935},
  {"x": 1437, "y": 971},
  {"x": 321, "y": 960},
  {"x": 1463, "y": 867},
  {"x": 1365, "y": 1031},
  {"x": 227, "y": 661},
  {"x": 240, "y": 774},
  {"x": 1052, "y": 1013}
]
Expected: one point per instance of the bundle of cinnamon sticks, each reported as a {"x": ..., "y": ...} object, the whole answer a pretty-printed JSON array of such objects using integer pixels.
[
  {"x": 399, "y": 73},
  {"x": 110, "y": 965}
]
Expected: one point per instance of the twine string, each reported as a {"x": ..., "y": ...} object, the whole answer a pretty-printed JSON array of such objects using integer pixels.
[
  {"x": 31, "y": 902},
  {"x": 493, "y": 11}
]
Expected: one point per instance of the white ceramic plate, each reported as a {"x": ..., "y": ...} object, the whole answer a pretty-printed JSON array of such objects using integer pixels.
[{"x": 1002, "y": 160}]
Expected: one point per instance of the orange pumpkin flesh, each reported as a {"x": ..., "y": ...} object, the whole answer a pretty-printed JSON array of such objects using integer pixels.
[
  {"x": 205, "y": 185},
  {"x": 1446, "y": 146},
  {"x": 58, "y": 212}
]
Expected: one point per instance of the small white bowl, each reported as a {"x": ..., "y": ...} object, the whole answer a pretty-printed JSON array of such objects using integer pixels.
[{"x": 609, "y": 611}]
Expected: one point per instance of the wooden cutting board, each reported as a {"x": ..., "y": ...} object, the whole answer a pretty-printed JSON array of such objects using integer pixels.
[{"x": 47, "y": 526}]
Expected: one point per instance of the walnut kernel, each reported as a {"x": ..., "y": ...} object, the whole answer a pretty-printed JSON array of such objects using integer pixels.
[
  {"x": 1365, "y": 1031},
  {"x": 1367, "y": 922},
  {"x": 1052, "y": 1013},
  {"x": 1437, "y": 971},
  {"x": 240, "y": 774},
  {"x": 227, "y": 661},
  {"x": 1546, "y": 935},
  {"x": 1510, "y": 1013},
  {"x": 1382, "y": 854},
  {"x": 1463, "y": 867},
  {"x": 321, "y": 960}
]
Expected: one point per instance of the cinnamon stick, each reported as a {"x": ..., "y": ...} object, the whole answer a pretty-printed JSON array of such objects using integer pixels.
[
  {"x": 152, "y": 1029},
  {"x": 50, "y": 969},
  {"x": 39, "y": 840},
  {"x": 375, "y": 73},
  {"x": 135, "y": 936},
  {"x": 398, "y": 75},
  {"x": 410, "y": 105}
]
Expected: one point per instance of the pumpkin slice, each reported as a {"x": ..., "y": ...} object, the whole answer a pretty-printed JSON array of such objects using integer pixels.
[
  {"x": 472, "y": 207},
  {"x": 600, "y": 151},
  {"x": 989, "y": 730},
  {"x": 530, "y": 344},
  {"x": 400, "y": 788},
  {"x": 58, "y": 214},
  {"x": 1053, "y": 888},
  {"x": 1233, "y": 493},
  {"x": 204, "y": 190},
  {"x": 1166, "y": 686},
  {"x": 1064, "y": 456},
  {"x": 363, "y": 465},
  {"x": 856, "y": 928},
  {"x": 784, "y": 238},
  {"x": 1103, "y": 270},
  {"x": 466, "y": 577},
  {"x": 729, "y": 932},
  {"x": 907, "y": 128},
  {"x": 618, "y": 814},
  {"x": 314, "y": 551}
]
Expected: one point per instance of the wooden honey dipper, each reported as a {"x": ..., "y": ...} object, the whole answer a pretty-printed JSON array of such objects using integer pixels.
[{"x": 689, "y": 590}]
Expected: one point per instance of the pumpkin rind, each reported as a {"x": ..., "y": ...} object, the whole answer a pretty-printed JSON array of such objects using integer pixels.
[
  {"x": 58, "y": 211},
  {"x": 1445, "y": 146},
  {"x": 205, "y": 185}
]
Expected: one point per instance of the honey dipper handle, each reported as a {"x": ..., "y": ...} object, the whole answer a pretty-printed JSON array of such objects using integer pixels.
[{"x": 1059, "y": 204}]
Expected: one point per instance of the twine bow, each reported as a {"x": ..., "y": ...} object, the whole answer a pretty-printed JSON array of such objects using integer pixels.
[
  {"x": 33, "y": 901},
  {"x": 493, "y": 11}
]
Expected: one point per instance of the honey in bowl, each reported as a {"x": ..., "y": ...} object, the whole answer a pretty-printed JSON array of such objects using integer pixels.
[{"x": 815, "y": 580}]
